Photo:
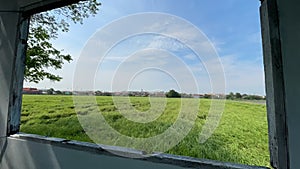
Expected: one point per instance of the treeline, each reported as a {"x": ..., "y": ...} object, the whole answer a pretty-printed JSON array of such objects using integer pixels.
[
  {"x": 170, "y": 94},
  {"x": 230, "y": 96},
  {"x": 238, "y": 96},
  {"x": 100, "y": 93}
]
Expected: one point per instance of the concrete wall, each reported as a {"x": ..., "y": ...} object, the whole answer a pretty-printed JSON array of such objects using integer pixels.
[
  {"x": 281, "y": 41},
  {"x": 289, "y": 26},
  {"x": 8, "y": 34},
  {"x": 22, "y": 154},
  {"x": 24, "y": 151}
]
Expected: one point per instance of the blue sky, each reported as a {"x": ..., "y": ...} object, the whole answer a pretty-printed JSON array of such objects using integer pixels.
[{"x": 232, "y": 27}]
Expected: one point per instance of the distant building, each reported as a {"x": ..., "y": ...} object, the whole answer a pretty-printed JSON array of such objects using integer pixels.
[
  {"x": 29, "y": 90},
  {"x": 44, "y": 91},
  {"x": 86, "y": 93},
  {"x": 198, "y": 96},
  {"x": 158, "y": 94}
]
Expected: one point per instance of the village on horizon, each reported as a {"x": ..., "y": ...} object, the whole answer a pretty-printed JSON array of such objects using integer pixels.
[{"x": 142, "y": 93}]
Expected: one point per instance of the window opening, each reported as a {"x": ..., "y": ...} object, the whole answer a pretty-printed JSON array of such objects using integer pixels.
[{"x": 146, "y": 80}]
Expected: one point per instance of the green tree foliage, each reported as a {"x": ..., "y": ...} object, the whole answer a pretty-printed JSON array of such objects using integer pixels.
[
  {"x": 98, "y": 93},
  {"x": 50, "y": 91},
  {"x": 230, "y": 96},
  {"x": 173, "y": 93},
  {"x": 58, "y": 92},
  {"x": 238, "y": 95},
  {"x": 44, "y": 28},
  {"x": 207, "y": 96},
  {"x": 254, "y": 97}
]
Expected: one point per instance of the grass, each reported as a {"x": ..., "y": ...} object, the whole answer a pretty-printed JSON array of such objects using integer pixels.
[{"x": 241, "y": 137}]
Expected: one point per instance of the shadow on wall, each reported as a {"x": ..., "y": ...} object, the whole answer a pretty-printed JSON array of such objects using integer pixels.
[
  {"x": 35, "y": 152},
  {"x": 3, "y": 146},
  {"x": 18, "y": 153},
  {"x": 7, "y": 38}
]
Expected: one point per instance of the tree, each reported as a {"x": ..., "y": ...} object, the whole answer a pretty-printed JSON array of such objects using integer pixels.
[
  {"x": 44, "y": 27},
  {"x": 244, "y": 96},
  {"x": 58, "y": 92},
  {"x": 50, "y": 91},
  {"x": 98, "y": 93},
  {"x": 173, "y": 93},
  {"x": 230, "y": 96},
  {"x": 238, "y": 95},
  {"x": 207, "y": 96}
]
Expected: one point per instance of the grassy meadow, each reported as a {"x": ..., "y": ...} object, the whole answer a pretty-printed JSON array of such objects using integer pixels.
[{"x": 241, "y": 137}]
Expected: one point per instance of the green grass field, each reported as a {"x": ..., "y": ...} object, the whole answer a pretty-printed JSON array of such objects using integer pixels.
[{"x": 241, "y": 137}]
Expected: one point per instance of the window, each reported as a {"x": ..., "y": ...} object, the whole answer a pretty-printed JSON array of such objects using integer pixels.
[{"x": 108, "y": 107}]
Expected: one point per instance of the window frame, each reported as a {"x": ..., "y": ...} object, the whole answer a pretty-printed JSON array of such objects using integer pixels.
[
  {"x": 274, "y": 81},
  {"x": 276, "y": 109}
]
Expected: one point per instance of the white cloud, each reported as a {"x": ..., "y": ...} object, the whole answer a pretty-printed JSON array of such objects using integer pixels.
[
  {"x": 243, "y": 75},
  {"x": 192, "y": 57}
]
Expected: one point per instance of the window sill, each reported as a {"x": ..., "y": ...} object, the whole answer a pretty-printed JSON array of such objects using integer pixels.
[{"x": 182, "y": 161}]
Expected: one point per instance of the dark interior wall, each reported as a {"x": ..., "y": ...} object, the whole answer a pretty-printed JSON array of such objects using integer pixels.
[
  {"x": 35, "y": 152},
  {"x": 8, "y": 32},
  {"x": 21, "y": 154},
  {"x": 289, "y": 27}
]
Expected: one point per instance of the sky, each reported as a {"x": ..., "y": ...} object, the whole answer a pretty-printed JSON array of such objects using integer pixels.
[{"x": 194, "y": 46}]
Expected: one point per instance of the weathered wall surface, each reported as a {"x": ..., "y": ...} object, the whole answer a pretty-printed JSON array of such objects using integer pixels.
[
  {"x": 24, "y": 151},
  {"x": 8, "y": 34},
  {"x": 20, "y": 154},
  {"x": 289, "y": 26}
]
